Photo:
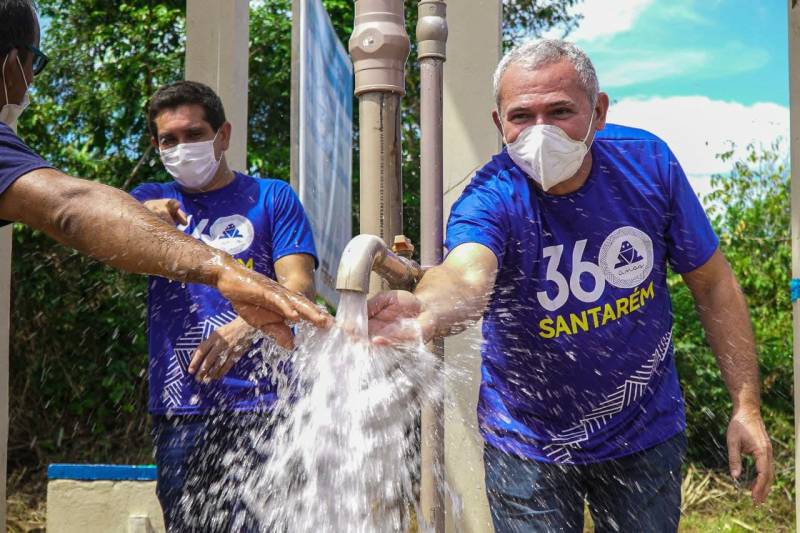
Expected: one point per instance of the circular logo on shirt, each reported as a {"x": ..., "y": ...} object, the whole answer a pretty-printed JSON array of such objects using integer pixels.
[
  {"x": 626, "y": 257},
  {"x": 233, "y": 234}
]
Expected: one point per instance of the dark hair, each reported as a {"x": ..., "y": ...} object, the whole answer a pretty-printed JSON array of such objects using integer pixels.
[
  {"x": 17, "y": 25},
  {"x": 181, "y": 93}
]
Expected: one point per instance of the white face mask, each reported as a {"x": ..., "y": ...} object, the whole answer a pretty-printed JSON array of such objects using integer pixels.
[
  {"x": 547, "y": 154},
  {"x": 10, "y": 113},
  {"x": 193, "y": 165}
]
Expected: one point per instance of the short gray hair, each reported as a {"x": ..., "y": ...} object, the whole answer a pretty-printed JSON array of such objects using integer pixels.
[{"x": 536, "y": 53}]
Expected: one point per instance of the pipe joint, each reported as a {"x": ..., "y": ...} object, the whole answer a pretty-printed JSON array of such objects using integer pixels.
[
  {"x": 379, "y": 46},
  {"x": 432, "y": 29}
]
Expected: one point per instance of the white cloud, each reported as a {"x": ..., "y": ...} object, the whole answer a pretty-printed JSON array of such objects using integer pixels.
[
  {"x": 630, "y": 43},
  {"x": 604, "y": 18},
  {"x": 619, "y": 67},
  {"x": 644, "y": 67},
  {"x": 698, "y": 128}
]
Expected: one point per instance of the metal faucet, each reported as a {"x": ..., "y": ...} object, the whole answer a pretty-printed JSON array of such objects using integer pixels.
[{"x": 367, "y": 253}]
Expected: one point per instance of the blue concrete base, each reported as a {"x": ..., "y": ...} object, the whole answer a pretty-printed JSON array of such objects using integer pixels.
[{"x": 84, "y": 472}]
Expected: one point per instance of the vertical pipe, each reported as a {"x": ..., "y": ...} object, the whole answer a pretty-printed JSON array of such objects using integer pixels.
[
  {"x": 794, "y": 121},
  {"x": 379, "y": 47},
  {"x": 381, "y": 187},
  {"x": 431, "y": 47}
]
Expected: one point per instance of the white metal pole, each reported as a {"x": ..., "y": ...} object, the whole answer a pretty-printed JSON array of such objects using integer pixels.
[
  {"x": 470, "y": 140},
  {"x": 794, "y": 102},
  {"x": 294, "y": 106},
  {"x": 217, "y": 54},
  {"x": 5, "y": 322}
]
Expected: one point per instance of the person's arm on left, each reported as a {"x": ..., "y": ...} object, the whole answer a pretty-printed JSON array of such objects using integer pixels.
[
  {"x": 723, "y": 313},
  {"x": 109, "y": 225}
]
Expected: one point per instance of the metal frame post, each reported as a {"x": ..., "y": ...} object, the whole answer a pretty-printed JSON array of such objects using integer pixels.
[
  {"x": 474, "y": 49},
  {"x": 794, "y": 104},
  {"x": 5, "y": 327},
  {"x": 217, "y": 54}
]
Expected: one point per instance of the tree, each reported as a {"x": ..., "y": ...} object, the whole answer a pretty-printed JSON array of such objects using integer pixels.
[{"x": 78, "y": 349}]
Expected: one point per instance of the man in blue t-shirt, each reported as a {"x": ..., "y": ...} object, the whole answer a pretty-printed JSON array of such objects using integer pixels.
[
  {"x": 71, "y": 210},
  {"x": 561, "y": 244},
  {"x": 206, "y": 392}
]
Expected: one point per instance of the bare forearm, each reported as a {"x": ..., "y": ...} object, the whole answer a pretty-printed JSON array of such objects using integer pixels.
[
  {"x": 296, "y": 273},
  {"x": 450, "y": 302},
  {"x": 302, "y": 283},
  {"x": 110, "y": 226},
  {"x": 723, "y": 313}
]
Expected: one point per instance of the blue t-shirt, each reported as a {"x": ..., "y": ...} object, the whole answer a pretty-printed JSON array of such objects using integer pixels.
[
  {"x": 16, "y": 159},
  {"x": 577, "y": 359},
  {"x": 257, "y": 221}
]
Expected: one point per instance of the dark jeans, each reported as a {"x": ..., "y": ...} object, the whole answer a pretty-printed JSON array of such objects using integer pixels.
[
  {"x": 636, "y": 493},
  {"x": 199, "y": 483}
]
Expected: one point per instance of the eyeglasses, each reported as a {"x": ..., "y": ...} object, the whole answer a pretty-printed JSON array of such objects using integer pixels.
[{"x": 39, "y": 58}]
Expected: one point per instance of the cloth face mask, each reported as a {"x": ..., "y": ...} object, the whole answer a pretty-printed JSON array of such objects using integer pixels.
[
  {"x": 547, "y": 154},
  {"x": 193, "y": 165},
  {"x": 11, "y": 112}
]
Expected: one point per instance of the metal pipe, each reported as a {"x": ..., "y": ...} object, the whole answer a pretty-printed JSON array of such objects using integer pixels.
[
  {"x": 431, "y": 47},
  {"x": 379, "y": 47},
  {"x": 432, "y": 40},
  {"x": 365, "y": 254},
  {"x": 381, "y": 186}
]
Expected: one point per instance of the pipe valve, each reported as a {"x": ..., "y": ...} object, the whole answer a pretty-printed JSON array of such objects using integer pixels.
[{"x": 379, "y": 46}]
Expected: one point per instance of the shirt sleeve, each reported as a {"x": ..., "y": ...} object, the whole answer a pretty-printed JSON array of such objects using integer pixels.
[
  {"x": 291, "y": 231},
  {"x": 690, "y": 238},
  {"x": 147, "y": 191},
  {"x": 479, "y": 216},
  {"x": 16, "y": 159}
]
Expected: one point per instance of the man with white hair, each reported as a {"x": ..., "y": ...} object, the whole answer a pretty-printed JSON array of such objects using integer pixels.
[{"x": 561, "y": 243}]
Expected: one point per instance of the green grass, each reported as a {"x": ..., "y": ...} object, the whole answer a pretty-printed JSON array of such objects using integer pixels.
[
  {"x": 736, "y": 513},
  {"x": 730, "y": 510}
]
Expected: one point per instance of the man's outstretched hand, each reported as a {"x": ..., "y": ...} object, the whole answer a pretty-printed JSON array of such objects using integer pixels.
[
  {"x": 747, "y": 435},
  {"x": 265, "y": 304},
  {"x": 398, "y": 317}
]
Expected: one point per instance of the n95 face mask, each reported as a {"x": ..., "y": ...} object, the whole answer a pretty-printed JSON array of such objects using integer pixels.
[
  {"x": 193, "y": 165},
  {"x": 547, "y": 154}
]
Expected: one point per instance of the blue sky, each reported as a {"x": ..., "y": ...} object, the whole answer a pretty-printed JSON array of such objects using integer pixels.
[{"x": 699, "y": 73}]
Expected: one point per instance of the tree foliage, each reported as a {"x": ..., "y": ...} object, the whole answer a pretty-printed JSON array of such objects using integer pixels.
[
  {"x": 78, "y": 350},
  {"x": 523, "y": 19},
  {"x": 749, "y": 209},
  {"x": 78, "y": 345}
]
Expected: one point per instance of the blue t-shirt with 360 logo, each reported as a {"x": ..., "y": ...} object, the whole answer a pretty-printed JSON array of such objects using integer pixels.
[
  {"x": 577, "y": 358},
  {"x": 255, "y": 220}
]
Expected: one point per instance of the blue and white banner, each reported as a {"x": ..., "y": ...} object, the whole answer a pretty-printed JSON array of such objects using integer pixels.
[{"x": 325, "y": 119}]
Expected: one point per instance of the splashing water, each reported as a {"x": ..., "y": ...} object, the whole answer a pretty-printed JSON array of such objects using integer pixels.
[{"x": 341, "y": 451}]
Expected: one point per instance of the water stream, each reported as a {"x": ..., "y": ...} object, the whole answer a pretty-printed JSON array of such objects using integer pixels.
[{"x": 341, "y": 452}]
